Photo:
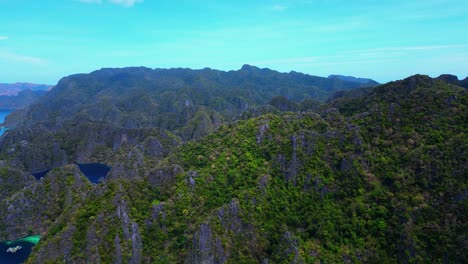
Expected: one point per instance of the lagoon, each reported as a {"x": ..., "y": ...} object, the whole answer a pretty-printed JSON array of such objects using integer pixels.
[{"x": 95, "y": 172}]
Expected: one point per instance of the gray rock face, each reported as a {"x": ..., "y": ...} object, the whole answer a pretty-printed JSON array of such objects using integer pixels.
[
  {"x": 137, "y": 244},
  {"x": 58, "y": 251},
  {"x": 290, "y": 166},
  {"x": 13, "y": 180},
  {"x": 219, "y": 252},
  {"x": 210, "y": 245},
  {"x": 130, "y": 229},
  {"x": 294, "y": 163},
  {"x": 191, "y": 178},
  {"x": 118, "y": 250},
  {"x": 261, "y": 132},
  {"x": 92, "y": 238},
  {"x": 288, "y": 250},
  {"x": 308, "y": 141},
  {"x": 415, "y": 81},
  {"x": 154, "y": 147},
  {"x": 203, "y": 247},
  {"x": 164, "y": 177},
  {"x": 263, "y": 182},
  {"x": 229, "y": 218},
  {"x": 38, "y": 149},
  {"x": 158, "y": 215}
]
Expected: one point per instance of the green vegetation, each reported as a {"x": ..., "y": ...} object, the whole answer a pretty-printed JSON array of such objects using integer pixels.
[{"x": 371, "y": 177}]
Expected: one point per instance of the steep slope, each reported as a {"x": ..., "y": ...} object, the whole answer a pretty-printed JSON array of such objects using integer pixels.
[
  {"x": 377, "y": 179},
  {"x": 34, "y": 208},
  {"x": 36, "y": 149},
  {"x": 22, "y": 100},
  {"x": 20, "y": 95},
  {"x": 71, "y": 122}
]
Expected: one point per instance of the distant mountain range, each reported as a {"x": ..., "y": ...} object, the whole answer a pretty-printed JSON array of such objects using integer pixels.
[
  {"x": 20, "y": 95},
  {"x": 13, "y": 89},
  {"x": 190, "y": 103},
  {"x": 365, "y": 81}
]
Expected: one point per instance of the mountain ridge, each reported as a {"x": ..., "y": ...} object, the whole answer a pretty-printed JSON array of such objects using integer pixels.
[{"x": 173, "y": 91}]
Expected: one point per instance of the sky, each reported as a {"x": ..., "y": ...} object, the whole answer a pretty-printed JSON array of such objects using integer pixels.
[{"x": 42, "y": 41}]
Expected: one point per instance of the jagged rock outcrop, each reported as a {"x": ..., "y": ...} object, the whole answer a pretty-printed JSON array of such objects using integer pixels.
[
  {"x": 449, "y": 78},
  {"x": 464, "y": 83},
  {"x": 164, "y": 177},
  {"x": 452, "y": 79},
  {"x": 58, "y": 250},
  {"x": 13, "y": 180},
  {"x": 86, "y": 142},
  {"x": 288, "y": 250},
  {"x": 131, "y": 232},
  {"x": 34, "y": 208}
]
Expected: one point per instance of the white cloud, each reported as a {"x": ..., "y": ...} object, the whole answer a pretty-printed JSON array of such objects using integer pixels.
[
  {"x": 91, "y": 1},
  {"x": 3, "y": 37},
  {"x": 126, "y": 3},
  {"x": 14, "y": 57},
  {"x": 279, "y": 7}
]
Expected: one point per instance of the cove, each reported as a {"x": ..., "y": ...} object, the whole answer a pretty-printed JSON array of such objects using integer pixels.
[
  {"x": 13, "y": 252},
  {"x": 95, "y": 172}
]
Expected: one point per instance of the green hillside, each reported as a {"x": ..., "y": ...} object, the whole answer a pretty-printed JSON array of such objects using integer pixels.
[{"x": 377, "y": 178}]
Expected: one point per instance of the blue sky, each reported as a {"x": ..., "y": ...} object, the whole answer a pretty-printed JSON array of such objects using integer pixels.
[{"x": 44, "y": 40}]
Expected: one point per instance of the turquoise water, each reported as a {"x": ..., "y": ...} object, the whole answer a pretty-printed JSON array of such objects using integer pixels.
[
  {"x": 3, "y": 114},
  {"x": 22, "y": 246}
]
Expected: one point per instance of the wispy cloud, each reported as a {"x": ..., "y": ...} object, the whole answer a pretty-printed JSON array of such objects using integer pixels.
[
  {"x": 91, "y": 1},
  {"x": 3, "y": 37},
  {"x": 125, "y": 3},
  {"x": 299, "y": 60},
  {"x": 411, "y": 48},
  {"x": 14, "y": 57},
  {"x": 364, "y": 56},
  {"x": 279, "y": 7}
]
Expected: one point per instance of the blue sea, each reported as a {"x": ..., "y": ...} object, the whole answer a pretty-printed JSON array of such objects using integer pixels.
[{"x": 3, "y": 114}]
